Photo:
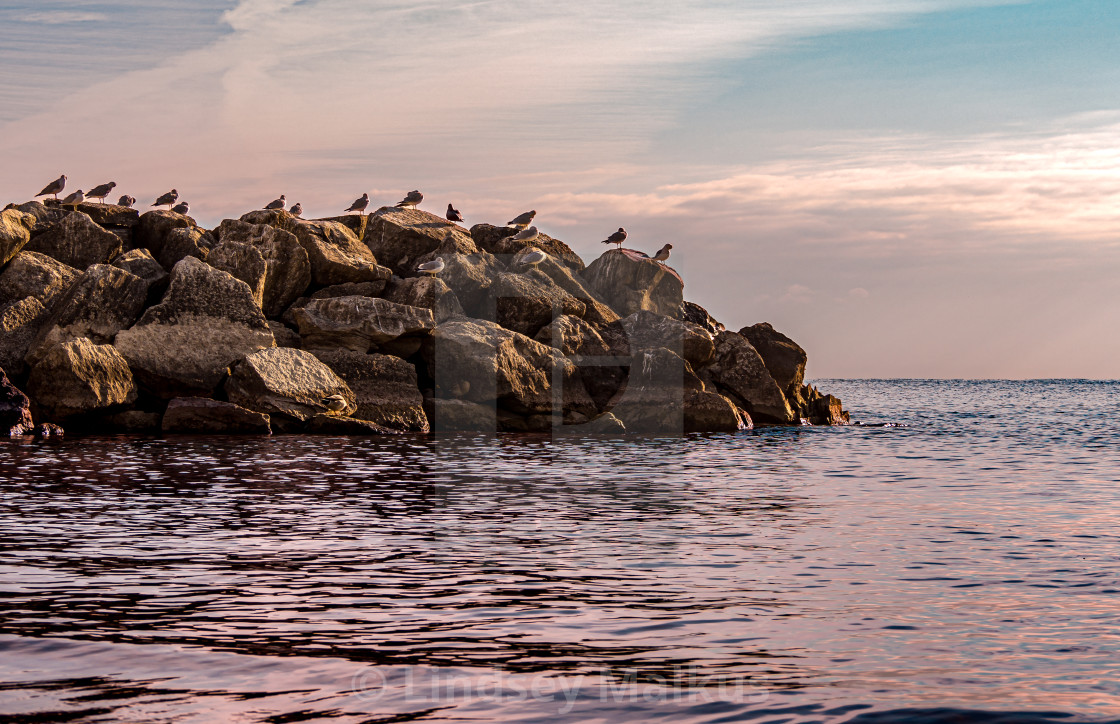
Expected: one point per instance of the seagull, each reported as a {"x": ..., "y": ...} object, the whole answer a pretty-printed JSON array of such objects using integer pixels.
[
  {"x": 296, "y": 210},
  {"x": 167, "y": 199},
  {"x": 431, "y": 267},
  {"x": 411, "y": 199},
  {"x": 616, "y": 238},
  {"x": 535, "y": 256},
  {"x": 359, "y": 205},
  {"x": 126, "y": 201},
  {"x": 663, "y": 253},
  {"x": 74, "y": 199},
  {"x": 100, "y": 192},
  {"x": 54, "y": 188},
  {"x": 526, "y": 234},
  {"x": 334, "y": 403},
  {"x": 522, "y": 220},
  {"x": 182, "y": 208},
  {"x": 453, "y": 214},
  {"x": 279, "y": 203}
]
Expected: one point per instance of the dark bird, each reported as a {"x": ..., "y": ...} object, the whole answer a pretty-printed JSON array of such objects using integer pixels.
[
  {"x": 616, "y": 238},
  {"x": 663, "y": 253},
  {"x": 54, "y": 188},
  {"x": 100, "y": 192},
  {"x": 522, "y": 220},
  {"x": 126, "y": 201},
  {"x": 74, "y": 199},
  {"x": 182, "y": 208},
  {"x": 411, "y": 199},
  {"x": 453, "y": 214},
  {"x": 167, "y": 199},
  {"x": 359, "y": 205},
  {"x": 279, "y": 203},
  {"x": 296, "y": 210}
]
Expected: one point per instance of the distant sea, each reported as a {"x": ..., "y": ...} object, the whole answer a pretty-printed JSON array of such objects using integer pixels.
[{"x": 956, "y": 559}]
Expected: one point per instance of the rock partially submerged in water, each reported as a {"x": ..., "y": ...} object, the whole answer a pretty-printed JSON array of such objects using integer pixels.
[{"x": 280, "y": 314}]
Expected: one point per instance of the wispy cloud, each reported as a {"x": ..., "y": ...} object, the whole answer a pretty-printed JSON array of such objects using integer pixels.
[{"x": 60, "y": 17}]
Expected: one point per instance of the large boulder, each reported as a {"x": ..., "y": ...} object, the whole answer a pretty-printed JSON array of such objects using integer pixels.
[
  {"x": 171, "y": 237},
  {"x": 77, "y": 241},
  {"x": 336, "y": 255},
  {"x": 35, "y": 275},
  {"x": 21, "y": 323},
  {"x": 270, "y": 260},
  {"x": 596, "y": 312},
  {"x": 362, "y": 324},
  {"x": 652, "y": 400},
  {"x": 43, "y": 216},
  {"x": 498, "y": 240},
  {"x": 79, "y": 377},
  {"x": 452, "y": 415},
  {"x": 102, "y": 302},
  {"x": 699, "y": 316},
  {"x": 483, "y": 362},
  {"x": 385, "y": 388},
  {"x": 287, "y": 383},
  {"x": 784, "y": 358},
  {"x": 630, "y": 282},
  {"x": 648, "y": 330},
  {"x": 203, "y": 416},
  {"x": 821, "y": 409},
  {"x": 400, "y": 237},
  {"x": 141, "y": 263},
  {"x": 110, "y": 216},
  {"x": 526, "y": 302},
  {"x": 185, "y": 344},
  {"x": 573, "y": 336},
  {"x": 356, "y": 223},
  {"x": 737, "y": 371},
  {"x": 711, "y": 412},
  {"x": 15, "y": 232},
  {"x": 427, "y": 292},
  {"x": 15, "y": 409}
]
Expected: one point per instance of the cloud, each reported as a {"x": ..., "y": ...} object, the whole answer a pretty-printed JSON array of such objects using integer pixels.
[{"x": 60, "y": 17}]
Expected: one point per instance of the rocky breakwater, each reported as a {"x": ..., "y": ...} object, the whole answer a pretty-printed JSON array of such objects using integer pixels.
[{"x": 115, "y": 321}]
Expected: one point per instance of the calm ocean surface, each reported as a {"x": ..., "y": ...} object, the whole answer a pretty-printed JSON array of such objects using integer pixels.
[{"x": 959, "y": 568}]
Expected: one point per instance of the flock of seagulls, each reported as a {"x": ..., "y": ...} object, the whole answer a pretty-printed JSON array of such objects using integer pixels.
[{"x": 522, "y": 222}]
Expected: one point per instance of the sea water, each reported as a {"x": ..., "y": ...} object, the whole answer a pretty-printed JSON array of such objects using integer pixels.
[{"x": 955, "y": 559}]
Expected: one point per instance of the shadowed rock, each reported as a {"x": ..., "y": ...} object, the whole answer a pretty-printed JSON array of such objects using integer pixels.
[
  {"x": 385, "y": 388},
  {"x": 77, "y": 241},
  {"x": 289, "y": 383},
  {"x": 784, "y": 358},
  {"x": 21, "y": 323},
  {"x": 427, "y": 292},
  {"x": 141, "y": 263},
  {"x": 171, "y": 237},
  {"x": 78, "y": 377},
  {"x": 185, "y": 344},
  {"x": 15, "y": 409},
  {"x": 648, "y": 330},
  {"x": 737, "y": 370},
  {"x": 35, "y": 275},
  {"x": 631, "y": 283},
  {"x": 695, "y": 314},
  {"x": 399, "y": 237},
  {"x": 202, "y": 416},
  {"x": 362, "y": 324},
  {"x": 527, "y": 302}
]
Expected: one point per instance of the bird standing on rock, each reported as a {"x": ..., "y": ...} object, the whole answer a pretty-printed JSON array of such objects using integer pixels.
[
  {"x": 522, "y": 220},
  {"x": 54, "y": 188},
  {"x": 296, "y": 210},
  {"x": 74, "y": 199},
  {"x": 334, "y": 403},
  {"x": 526, "y": 234},
  {"x": 277, "y": 205},
  {"x": 411, "y": 199},
  {"x": 183, "y": 208},
  {"x": 432, "y": 267},
  {"x": 101, "y": 191},
  {"x": 533, "y": 257},
  {"x": 168, "y": 199},
  {"x": 663, "y": 253},
  {"x": 359, "y": 205},
  {"x": 126, "y": 201},
  {"x": 616, "y": 238},
  {"x": 453, "y": 214}
]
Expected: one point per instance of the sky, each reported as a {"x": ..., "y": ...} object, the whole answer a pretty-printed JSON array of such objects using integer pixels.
[{"x": 907, "y": 188}]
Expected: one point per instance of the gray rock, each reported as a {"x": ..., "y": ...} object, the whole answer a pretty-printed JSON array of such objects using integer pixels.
[
  {"x": 285, "y": 382},
  {"x": 351, "y": 289},
  {"x": 185, "y": 344},
  {"x": 171, "y": 237},
  {"x": 141, "y": 263},
  {"x": 203, "y": 416},
  {"x": 284, "y": 336},
  {"x": 21, "y": 323},
  {"x": 597, "y": 313},
  {"x": 738, "y": 372},
  {"x": 43, "y": 216},
  {"x": 103, "y": 301},
  {"x": 573, "y": 336},
  {"x": 77, "y": 241},
  {"x": 15, "y": 232},
  {"x": 362, "y": 324},
  {"x": 133, "y": 422},
  {"x": 35, "y": 275},
  {"x": 711, "y": 412},
  {"x": 402, "y": 237},
  {"x": 270, "y": 260},
  {"x": 527, "y": 302},
  {"x": 630, "y": 283},
  {"x": 648, "y": 330},
  {"x": 468, "y": 274},
  {"x": 78, "y": 377},
  {"x": 385, "y": 388},
  {"x": 784, "y": 358},
  {"x": 427, "y": 292},
  {"x": 336, "y": 255}
]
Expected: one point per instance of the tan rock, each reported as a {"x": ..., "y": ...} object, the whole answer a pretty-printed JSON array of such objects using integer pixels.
[
  {"x": 385, "y": 388},
  {"x": 288, "y": 382},
  {"x": 21, "y": 323},
  {"x": 630, "y": 283},
  {"x": 76, "y": 241},
  {"x": 35, "y": 275},
  {"x": 78, "y": 377},
  {"x": 15, "y": 232},
  {"x": 270, "y": 260},
  {"x": 738, "y": 372}
]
